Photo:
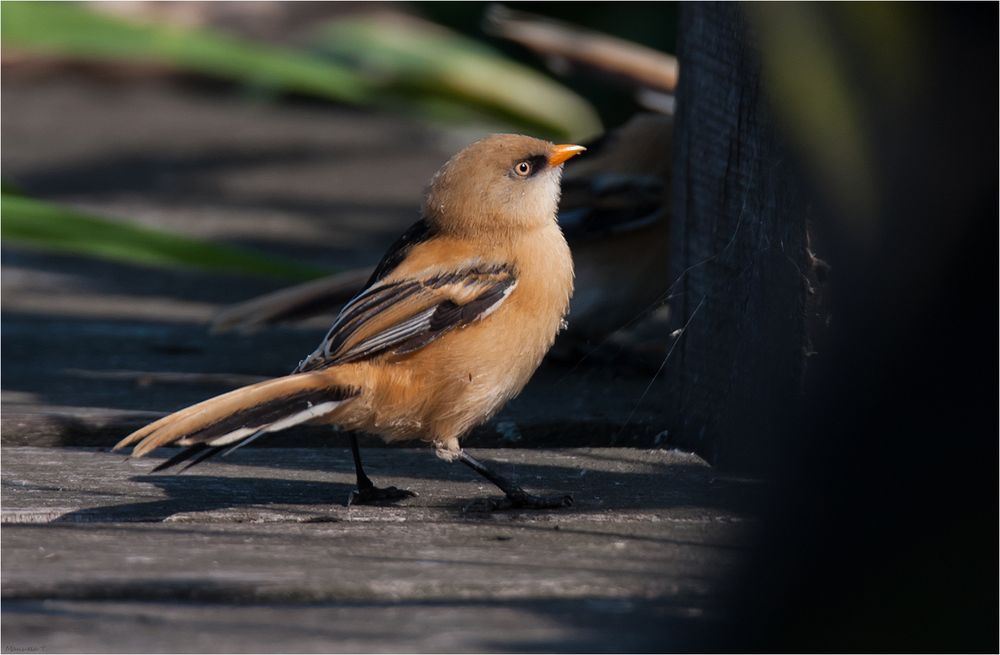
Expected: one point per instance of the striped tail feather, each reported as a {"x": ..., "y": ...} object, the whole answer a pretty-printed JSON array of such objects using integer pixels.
[
  {"x": 240, "y": 416},
  {"x": 204, "y": 450}
]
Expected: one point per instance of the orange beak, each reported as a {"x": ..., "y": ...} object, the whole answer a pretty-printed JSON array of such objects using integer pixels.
[{"x": 563, "y": 152}]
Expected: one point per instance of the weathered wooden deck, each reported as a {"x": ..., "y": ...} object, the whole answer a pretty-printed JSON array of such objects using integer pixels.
[{"x": 257, "y": 552}]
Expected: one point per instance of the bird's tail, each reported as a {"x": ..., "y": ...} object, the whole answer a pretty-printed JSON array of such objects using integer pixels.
[{"x": 236, "y": 418}]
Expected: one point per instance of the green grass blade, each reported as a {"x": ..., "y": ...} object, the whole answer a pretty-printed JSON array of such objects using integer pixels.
[
  {"x": 419, "y": 59},
  {"x": 71, "y": 29},
  {"x": 407, "y": 66},
  {"x": 41, "y": 224}
]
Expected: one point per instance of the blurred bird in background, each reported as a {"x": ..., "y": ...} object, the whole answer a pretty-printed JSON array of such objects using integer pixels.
[{"x": 615, "y": 212}]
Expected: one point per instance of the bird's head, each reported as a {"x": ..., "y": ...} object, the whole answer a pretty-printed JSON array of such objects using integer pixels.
[{"x": 499, "y": 184}]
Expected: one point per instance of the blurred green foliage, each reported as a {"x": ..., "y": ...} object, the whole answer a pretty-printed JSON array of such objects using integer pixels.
[
  {"x": 46, "y": 225},
  {"x": 72, "y": 30},
  {"x": 406, "y": 67},
  {"x": 412, "y": 67},
  {"x": 653, "y": 24},
  {"x": 816, "y": 97},
  {"x": 413, "y": 61}
]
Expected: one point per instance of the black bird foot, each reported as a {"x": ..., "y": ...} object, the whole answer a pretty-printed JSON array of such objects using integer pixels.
[
  {"x": 520, "y": 500},
  {"x": 375, "y": 496}
]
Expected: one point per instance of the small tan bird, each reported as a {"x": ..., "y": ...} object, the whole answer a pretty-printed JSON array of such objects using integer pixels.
[
  {"x": 452, "y": 324},
  {"x": 615, "y": 214}
]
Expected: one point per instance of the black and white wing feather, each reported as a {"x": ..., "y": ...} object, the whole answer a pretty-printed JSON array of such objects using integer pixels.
[{"x": 401, "y": 316}]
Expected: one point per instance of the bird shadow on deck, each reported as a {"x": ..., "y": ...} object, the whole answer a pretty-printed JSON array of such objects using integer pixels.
[
  {"x": 599, "y": 480},
  {"x": 441, "y": 486},
  {"x": 208, "y": 493}
]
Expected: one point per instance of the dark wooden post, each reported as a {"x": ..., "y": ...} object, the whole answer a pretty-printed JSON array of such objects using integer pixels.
[
  {"x": 881, "y": 517},
  {"x": 740, "y": 257}
]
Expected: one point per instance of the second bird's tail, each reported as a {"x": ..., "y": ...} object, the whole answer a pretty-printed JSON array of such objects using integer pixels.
[{"x": 236, "y": 418}]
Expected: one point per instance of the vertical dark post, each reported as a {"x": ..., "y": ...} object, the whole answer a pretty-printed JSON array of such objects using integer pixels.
[
  {"x": 880, "y": 531},
  {"x": 740, "y": 257}
]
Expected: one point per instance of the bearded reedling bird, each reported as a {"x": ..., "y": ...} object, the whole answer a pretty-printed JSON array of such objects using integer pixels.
[
  {"x": 450, "y": 326},
  {"x": 614, "y": 212}
]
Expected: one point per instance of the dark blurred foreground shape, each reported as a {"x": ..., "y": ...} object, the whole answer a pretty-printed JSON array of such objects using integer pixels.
[{"x": 864, "y": 134}]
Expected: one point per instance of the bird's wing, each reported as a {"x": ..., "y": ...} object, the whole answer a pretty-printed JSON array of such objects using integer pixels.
[
  {"x": 402, "y": 315},
  {"x": 416, "y": 234}
]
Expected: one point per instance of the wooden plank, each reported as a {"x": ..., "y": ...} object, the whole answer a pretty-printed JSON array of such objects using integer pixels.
[
  {"x": 364, "y": 560},
  {"x": 455, "y": 626},
  {"x": 259, "y": 550}
]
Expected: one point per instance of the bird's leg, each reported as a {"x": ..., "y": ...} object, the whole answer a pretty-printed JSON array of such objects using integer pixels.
[
  {"x": 367, "y": 493},
  {"x": 516, "y": 497}
]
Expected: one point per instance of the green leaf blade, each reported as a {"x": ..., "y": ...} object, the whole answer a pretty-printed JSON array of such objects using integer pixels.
[
  {"x": 70, "y": 29},
  {"x": 40, "y": 224},
  {"x": 436, "y": 66}
]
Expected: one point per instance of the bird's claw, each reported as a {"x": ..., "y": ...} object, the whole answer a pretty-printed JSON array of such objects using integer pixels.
[{"x": 378, "y": 496}]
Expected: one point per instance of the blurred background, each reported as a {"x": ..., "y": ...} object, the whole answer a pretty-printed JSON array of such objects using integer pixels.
[
  {"x": 785, "y": 232},
  {"x": 164, "y": 161}
]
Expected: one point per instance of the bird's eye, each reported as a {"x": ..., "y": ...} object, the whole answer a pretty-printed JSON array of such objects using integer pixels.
[{"x": 523, "y": 168}]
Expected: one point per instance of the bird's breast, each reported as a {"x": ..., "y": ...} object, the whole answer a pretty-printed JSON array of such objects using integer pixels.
[
  {"x": 503, "y": 350},
  {"x": 463, "y": 378}
]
